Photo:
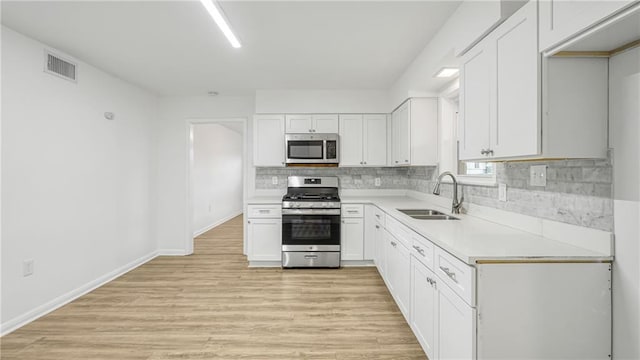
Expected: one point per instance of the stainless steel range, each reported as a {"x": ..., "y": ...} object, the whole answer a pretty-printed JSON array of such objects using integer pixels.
[{"x": 311, "y": 223}]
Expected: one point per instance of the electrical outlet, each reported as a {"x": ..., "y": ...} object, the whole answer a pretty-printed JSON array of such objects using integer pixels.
[
  {"x": 502, "y": 192},
  {"x": 538, "y": 175},
  {"x": 377, "y": 182},
  {"x": 274, "y": 180},
  {"x": 27, "y": 267}
]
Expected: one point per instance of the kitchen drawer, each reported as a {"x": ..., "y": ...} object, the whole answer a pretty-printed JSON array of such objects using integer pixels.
[
  {"x": 457, "y": 275},
  {"x": 264, "y": 211},
  {"x": 379, "y": 215},
  {"x": 400, "y": 231},
  {"x": 352, "y": 210},
  {"x": 423, "y": 250}
]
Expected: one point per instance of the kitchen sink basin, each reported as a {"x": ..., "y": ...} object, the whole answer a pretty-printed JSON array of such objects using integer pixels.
[{"x": 427, "y": 214}]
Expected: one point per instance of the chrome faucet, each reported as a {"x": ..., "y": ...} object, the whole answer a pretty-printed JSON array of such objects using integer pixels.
[{"x": 455, "y": 207}]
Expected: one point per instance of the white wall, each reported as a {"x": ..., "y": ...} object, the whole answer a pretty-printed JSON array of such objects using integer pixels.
[
  {"x": 624, "y": 123},
  {"x": 75, "y": 186},
  {"x": 171, "y": 224},
  {"x": 217, "y": 175},
  {"x": 472, "y": 19},
  {"x": 322, "y": 101}
]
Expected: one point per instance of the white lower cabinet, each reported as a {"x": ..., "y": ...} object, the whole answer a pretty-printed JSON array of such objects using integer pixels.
[
  {"x": 442, "y": 322},
  {"x": 456, "y": 325},
  {"x": 495, "y": 310},
  {"x": 424, "y": 307},
  {"x": 398, "y": 270},
  {"x": 264, "y": 237},
  {"x": 352, "y": 233}
]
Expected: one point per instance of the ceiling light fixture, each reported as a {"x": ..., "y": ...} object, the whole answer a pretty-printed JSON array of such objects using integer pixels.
[
  {"x": 446, "y": 72},
  {"x": 218, "y": 16}
]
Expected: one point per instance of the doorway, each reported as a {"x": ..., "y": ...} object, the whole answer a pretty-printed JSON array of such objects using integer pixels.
[{"x": 216, "y": 174}]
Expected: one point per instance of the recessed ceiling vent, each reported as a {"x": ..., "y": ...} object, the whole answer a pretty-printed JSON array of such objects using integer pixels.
[{"x": 57, "y": 66}]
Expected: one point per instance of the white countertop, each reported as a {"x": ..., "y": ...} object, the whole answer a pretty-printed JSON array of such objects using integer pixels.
[{"x": 471, "y": 239}]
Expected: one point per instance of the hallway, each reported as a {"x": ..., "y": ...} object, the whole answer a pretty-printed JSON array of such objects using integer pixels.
[{"x": 212, "y": 306}]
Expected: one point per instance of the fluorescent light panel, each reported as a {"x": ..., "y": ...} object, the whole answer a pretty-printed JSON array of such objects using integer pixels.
[
  {"x": 217, "y": 15},
  {"x": 447, "y": 72}
]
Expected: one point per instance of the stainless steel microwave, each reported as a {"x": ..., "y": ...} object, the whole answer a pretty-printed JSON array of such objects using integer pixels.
[{"x": 312, "y": 148}]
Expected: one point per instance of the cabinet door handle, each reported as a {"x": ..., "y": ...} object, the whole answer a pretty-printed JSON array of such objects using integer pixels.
[
  {"x": 393, "y": 244},
  {"x": 449, "y": 273},
  {"x": 406, "y": 161},
  {"x": 264, "y": 211},
  {"x": 489, "y": 152},
  {"x": 396, "y": 161},
  {"x": 249, "y": 222},
  {"x": 377, "y": 226},
  {"x": 360, "y": 162},
  {"x": 378, "y": 216},
  {"x": 365, "y": 163},
  {"x": 419, "y": 250}
]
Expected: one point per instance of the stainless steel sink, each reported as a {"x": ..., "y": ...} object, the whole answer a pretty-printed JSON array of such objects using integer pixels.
[{"x": 427, "y": 214}]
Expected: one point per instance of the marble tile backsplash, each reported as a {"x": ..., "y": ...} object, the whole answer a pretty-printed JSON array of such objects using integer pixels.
[
  {"x": 350, "y": 178},
  {"x": 578, "y": 192}
]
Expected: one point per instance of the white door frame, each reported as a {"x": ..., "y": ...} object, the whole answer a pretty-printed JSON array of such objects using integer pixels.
[{"x": 190, "y": 123}]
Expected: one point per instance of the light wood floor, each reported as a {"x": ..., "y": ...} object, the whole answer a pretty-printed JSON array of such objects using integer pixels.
[{"x": 212, "y": 306}]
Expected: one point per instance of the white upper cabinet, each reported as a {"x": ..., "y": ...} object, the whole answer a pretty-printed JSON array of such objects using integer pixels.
[
  {"x": 475, "y": 101},
  {"x": 299, "y": 123},
  {"x": 308, "y": 123},
  {"x": 515, "y": 130},
  {"x": 351, "y": 140},
  {"x": 326, "y": 123},
  {"x": 363, "y": 140},
  {"x": 401, "y": 138},
  {"x": 499, "y": 91},
  {"x": 414, "y": 133},
  {"x": 504, "y": 85},
  {"x": 375, "y": 140},
  {"x": 268, "y": 140},
  {"x": 562, "y": 19}
]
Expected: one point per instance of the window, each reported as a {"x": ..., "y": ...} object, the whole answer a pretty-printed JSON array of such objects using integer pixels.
[{"x": 475, "y": 168}]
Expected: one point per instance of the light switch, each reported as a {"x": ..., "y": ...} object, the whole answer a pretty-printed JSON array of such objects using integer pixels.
[
  {"x": 274, "y": 180},
  {"x": 538, "y": 175},
  {"x": 377, "y": 182}
]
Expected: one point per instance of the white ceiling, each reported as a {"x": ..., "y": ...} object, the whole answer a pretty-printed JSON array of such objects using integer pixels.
[{"x": 174, "y": 48}]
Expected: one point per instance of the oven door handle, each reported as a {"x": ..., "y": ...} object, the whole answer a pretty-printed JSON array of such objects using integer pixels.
[{"x": 310, "y": 211}]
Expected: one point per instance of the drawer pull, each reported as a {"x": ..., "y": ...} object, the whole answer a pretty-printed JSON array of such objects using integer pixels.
[
  {"x": 311, "y": 256},
  {"x": 394, "y": 244},
  {"x": 377, "y": 226},
  {"x": 264, "y": 211},
  {"x": 352, "y": 211},
  {"x": 419, "y": 249},
  {"x": 450, "y": 274},
  {"x": 378, "y": 216}
]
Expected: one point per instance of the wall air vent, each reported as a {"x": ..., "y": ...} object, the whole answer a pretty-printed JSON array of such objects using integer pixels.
[{"x": 55, "y": 65}]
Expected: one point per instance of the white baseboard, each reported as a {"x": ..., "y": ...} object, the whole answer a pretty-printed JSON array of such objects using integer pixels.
[
  {"x": 172, "y": 252},
  {"x": 21, "y": 320},
  {"x": 219, "y": 222}
]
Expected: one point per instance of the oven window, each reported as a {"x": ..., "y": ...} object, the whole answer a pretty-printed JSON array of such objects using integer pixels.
[
  {"x": 300, "y": 149},
  {"x": 311, "y": 229}
]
